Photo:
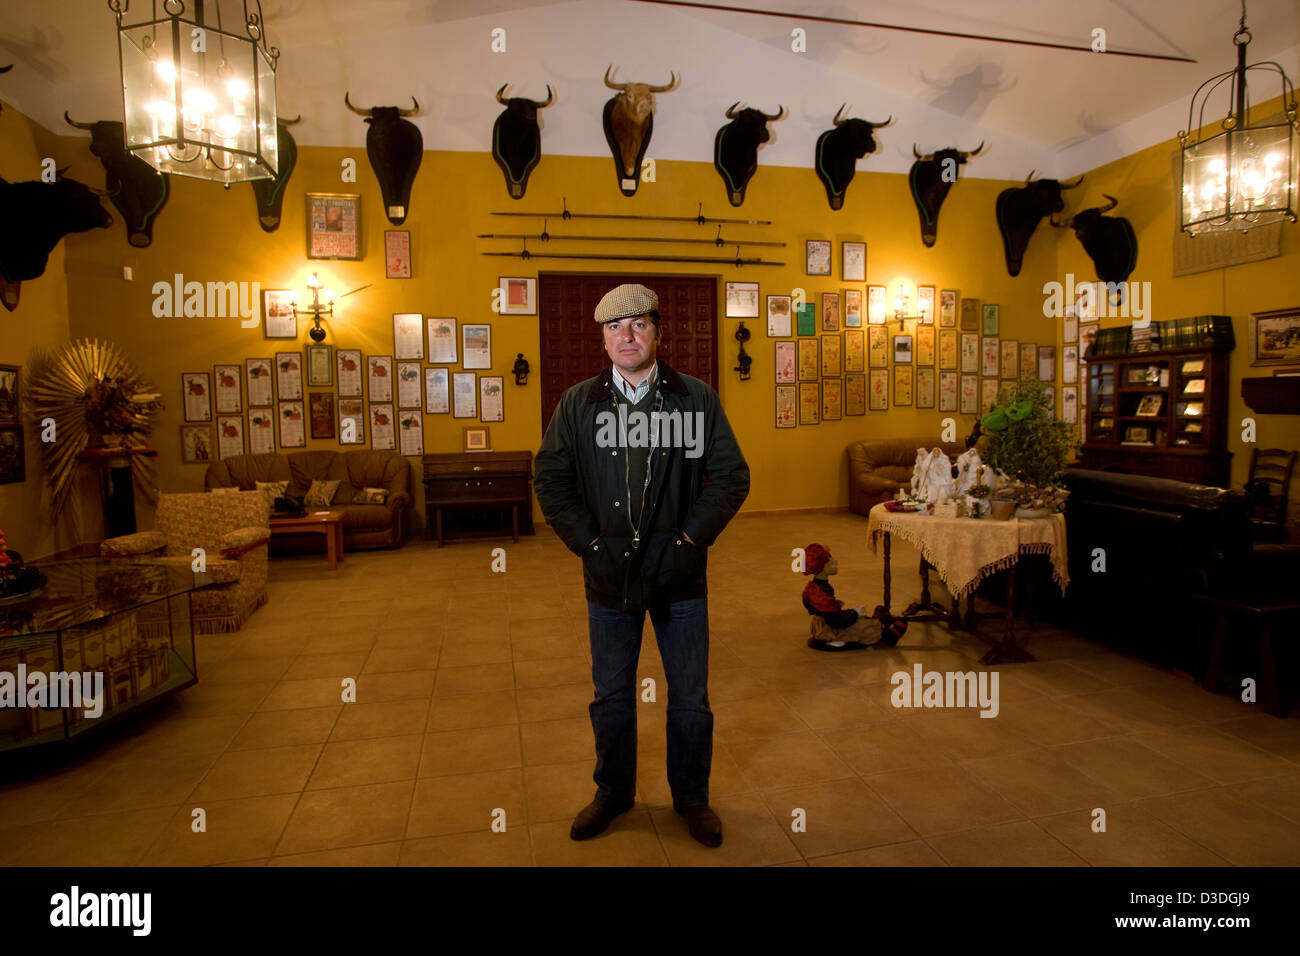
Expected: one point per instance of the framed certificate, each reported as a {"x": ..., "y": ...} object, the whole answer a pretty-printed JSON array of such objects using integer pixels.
[
  {"x": 320, "y": 365},
  {"x": 464, "y": 394},
  {"x": 785, "y": 364},
  {"x": 442, "y": 341},
  {"x": 855, "y": 393},
  {"x": 832, "y": 399},
  {"x": 397, "y": 254},
  {"x": 279, "y": 321},
  {"x": 878, "y": 392},
  {"x": 410, "y": 432},
  {"x": 382, "y": 435},
  {"x": 349, "y": 369},
  {"x": 230, "y": 435},
  {"x": 379, "y": 378},
  {"x": 196, "y": 388},
  {"x": 408, "y": 335},
  {"x": 408, "y": 385},
  {"x": 809, "y": 403},
  {"x": 291, "y": 417},
  {"x": 333, "y": 226},
  {"x": 437, "y": 392},
  {"x": 948, "y": 308},
  {"x": 817, "y": 254},
  {"x": 288, "y": 376},
  {"x": 229, "y": 396},
  {"x": 786, "y": 412},
  {"x": 261, "y": 431},
  {"x": 854, "y": 265},
  {"x": 778, "y": 316},
  {"x": 476, "y": 346},
  {"x": 491, "y": 398}
]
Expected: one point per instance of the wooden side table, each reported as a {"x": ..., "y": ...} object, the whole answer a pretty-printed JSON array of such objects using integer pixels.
[
  {"x": 479, "y": 481},
  {"x": 328, "y": 523}
]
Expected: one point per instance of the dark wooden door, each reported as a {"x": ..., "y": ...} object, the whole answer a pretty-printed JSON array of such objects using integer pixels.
[{"x": 572, "y": 347}]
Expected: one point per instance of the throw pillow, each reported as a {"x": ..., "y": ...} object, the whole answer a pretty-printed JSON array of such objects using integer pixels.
[
  {"x": 371, "y": 496},
  {"x": 273, "y": 489},
  {"x": 225, "y": 491},
  {"x": 320, "y": 494}
]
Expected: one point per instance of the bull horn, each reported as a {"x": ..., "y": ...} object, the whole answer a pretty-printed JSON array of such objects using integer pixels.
[
  {"x": 1111, "y": 205},
  {"x": 1030, "y": 178},
  {"x": 731, "y": 110},
  {"x": 550, "y": 98},
  {"x": 410, "y": 112},
  {"x": 1069, "y": 223},
  {"x": 59, "y": 173},
  {"x": 72, "y": 122},
  {"x": 1073, "y": 184},
  {"x": 885, "y": 123},
  {"x": 353, "y": 108},
  {"x": 974, "y": 152},
  {"x": 915, "y": 153},
  {"x": 672, "y": 83},
  {"x": 6, "y": 69},
  {"x": 290, "y": 122},
  {"x": 838, "y": 121},
  {"x": 609, "y": 80},
  {"x": 501, "y": 99},
  {"x": 779, "y": 114}
]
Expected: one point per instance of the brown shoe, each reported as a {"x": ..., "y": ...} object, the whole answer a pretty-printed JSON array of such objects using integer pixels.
[
  {"x": 702, "y": 822},
  {"x": 596, "y": 816}
]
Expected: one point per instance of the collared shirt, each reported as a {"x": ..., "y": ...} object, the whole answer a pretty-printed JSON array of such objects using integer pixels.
[{"x": 635, "y": 394}]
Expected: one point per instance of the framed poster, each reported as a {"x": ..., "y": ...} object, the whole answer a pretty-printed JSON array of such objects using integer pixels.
[
  {"x": 947, "y": 348},
  {"x": 855, "y": 393},
  {"x": 832, "y": 400},
  {"x": 903, "y": 380},
  {"x": 290, "y": 417},
  {"x": 778, "y": 316},
  {"x": 809, "y": 403},
  {"x": 518, "y": 295},
  {"x": 947, "y": 391},
  {"x": 877, "y": 346},
  {"x": 878, "y": 393},
  {"x": 397, "y": 254},
  {"x": 1070, "y": 403},
  {"x": 288, "y": 376},
  {"x": 196, "y": 387},
  {"x": 1070, "y": 328},
  {"x": 854, "y": 261},
  {"x": 989, "y": 388},
  {"x": 261, "y": 431},
  {"x": 855, "y": 351},
  {"x": 1069, "y": 366},
  {"x": 352, "y": 422},
  {"x": 226, "y": 387},
  {"x": 349, "y": 369},
  {"x": 970, "y": 315},
  {"x": 437, "y": 392},
  {"x": 817, "y": 257},
  {"x": 333, "y": 226},
  {"x": 807, "y": 319},
  {"x": 808, "y": 360},
  {"x": 464, "y": 394},
  {"x": 786, "y": 412},
  {"x": 852, "y": 308},
  {"x": 491, "y": 398},
  {"x": 442, "y": 341},
  {"x": 948, "y": 308},
  {"x": 925, "y": 387},
  {"x": 410, "y": 432},
  {"x": 742, "y": 300},
  {"x": 970, "y": 394},
  {"x": 476, "y": 438},
  {"x": 875, "y": 304},
  {"x": 785, "y": 363},
  {"x": 992, "y": 356},
  {"x": 832, "y": 356},
  {"x": 230, "y": 435},
  {"x": 1087, "y": 335},
  {"x": 279, "y": 321},
  {"x": 902, "y": 349},
  {"x": 1029, "y": 359},
  {"x": 408, "y": 335},
  {"x": 991, "y": 319},
  {"x": 476, "y": 346},
  {"x": 1009, "y": 364},
  {"x": 196, "y": 444},
  {"x": 320, "y": 365},
  {"x": 320, "y": 407},
  {"x": 408, "y": 385},
  {"x": 925, "y": 304},
  {"x": 925, "y": 344},
  {"x": 379, "y": 378},
  {"x": 830, "y": 311},
  {"x": 9, "y": 398},
  {"x": 381, "y": 428},
  {"x": 970, "y": 354},
  {"x": 1047, "y": 363}
]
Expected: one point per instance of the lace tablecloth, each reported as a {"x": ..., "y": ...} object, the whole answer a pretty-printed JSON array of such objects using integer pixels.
[{"x": 964, "y": 551}]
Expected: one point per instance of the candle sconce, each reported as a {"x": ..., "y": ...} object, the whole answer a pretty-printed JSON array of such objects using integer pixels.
[{"x": 742, "y": 336}]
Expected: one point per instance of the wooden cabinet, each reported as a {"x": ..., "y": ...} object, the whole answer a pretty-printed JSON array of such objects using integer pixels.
[
  {"x": 1161, "y": 413},
  {"x": 478, "y": 494}
]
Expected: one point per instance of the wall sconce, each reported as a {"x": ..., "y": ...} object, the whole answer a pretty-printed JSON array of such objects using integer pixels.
[
  {"x": 742, "y": 336},
  {"x": 316, "y": 308},
  {"x": 521, "y": 369},
  {"x": 900, "y": 309}
]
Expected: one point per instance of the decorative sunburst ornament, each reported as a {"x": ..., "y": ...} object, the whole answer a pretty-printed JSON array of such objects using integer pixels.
[{"x": 95, "y": 398}]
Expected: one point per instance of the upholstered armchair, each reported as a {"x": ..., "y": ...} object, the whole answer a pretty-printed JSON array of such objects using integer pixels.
[{"x": 232, "y": 529}]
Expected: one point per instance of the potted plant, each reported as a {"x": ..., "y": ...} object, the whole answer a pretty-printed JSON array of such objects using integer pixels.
[
  {"x": 1002, "y": 503},
  {"x": 1022, "y": 438}
]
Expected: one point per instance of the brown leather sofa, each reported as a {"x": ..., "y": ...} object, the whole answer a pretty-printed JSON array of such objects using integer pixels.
[
  {"x": 364, "y": 526},
  {"x": 879, "y": 467}
]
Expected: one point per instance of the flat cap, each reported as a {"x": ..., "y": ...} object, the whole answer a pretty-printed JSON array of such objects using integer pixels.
[{"x": 625, "y": 301}]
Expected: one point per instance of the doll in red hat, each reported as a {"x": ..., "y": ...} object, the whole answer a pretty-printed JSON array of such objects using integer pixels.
[{"x": 835, "y": 627}]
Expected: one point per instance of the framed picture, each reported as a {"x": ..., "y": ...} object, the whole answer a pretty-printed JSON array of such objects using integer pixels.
[
  {"x": 970, "y": 354},
  {"x": 320, "y": 365},
  {"x": 408, "y": 335},
  {"x": 1047, "y": 363},
  {"x": 778, "y": 316},
  {"x": 352, "y": 422},
  {"x": 832, "y": 399},
  {"x": 991, "y": 356},
  {"x": 877, "y": 346},
  {"x": 971, "y": 315},
  {"x": 1070, "y": 332},
  {"x": 397, "y": 254},
  {"x": 991, "y": 323},
  {"x": 410, "y": 432},
  {"x": 476, "y": 438},
  {"x": 817, "y": 256},
  {"x": 903, "y": 380},
  {"x": 13, "y": 455},
  {"x": 855, "y": 393},
  {"x": 1087, "y": 335},
  {"x": 787, "y": 415},
  {"x": 854, "y": 261},
  {"x": 1137, "y": 435},
  {"x": 948, "y": 349},
  {"x": 320, "y": 407},
  {"x": 970, "y": 394},
  {"x": 279, "y": 321},
  {"x": 1029, "y": 358},
  {"x": 381, "y": 428},
  {"x": 491, "y": 398},
  {"x": 947, "y": 391},
  {"x": 333, "y": 226},
  {"x": 902, "y": 349},
  {"x": 349, "y": 369},
  {"x": 9, "y": 398},
  {"x": 261, "y": 431},
  {"x": 807, "y": 319},
  {"x": 876, "y": 313},
  {"x": 408, "y": 385},
  {"x": 742, "y": 300},
  {"x": 832, "y": 356},
  {"x": 785, "y": 363},
  {"x": 1010, "y": 362},
  {"x": 464, "y": 393},
  {"x": 290, "y": 416},
  {"x": 855, "y": 351},
  {"x": 437, "y": 392},
  {"x": 925, "y": 344},
  {"x": 288, "y": 376},
  {"x": 196, "y": 387},
  {"x": 989, "y": 388},
  {"x": 808, "y": 360},
  {"x": 442, "y": 341},
  {"x": 225, "y": 386},
  {"x": 925, "y": 387},
  {"x": 809, "y": 403},
  {"x": 1069, "y": 364},
  {"x": 379, "y": 378},
  {"x": 196, "y": 444},
  {"x": 518, "y": 295},
  {"x": 1149, "y": 407},
  {"x": 830, "y": 311},
  {"x": 476, "y": 346},
  {"x": 1275, "y": 337},
  {"x": 948, "y": 308},
  {"x": 852, "y": 308},
  {"x": 925, "y": 304},
  {"x": 878, "y": 392}
]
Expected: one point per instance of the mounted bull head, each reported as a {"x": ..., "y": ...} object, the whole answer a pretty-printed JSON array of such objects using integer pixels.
[
  {"x": 517, "y": 139},
  {"x": 39, "y": 214},
  {"x": 269, "y": 193},
  {"x": 629, "y": 120},
  {"x": 930, "y": 177},
  {"x": 735, "y": 148},
  {"x": 838, "y": 151},
  {"x": 1109, "y": 241},
  {"x": 137, "y": 189},
  {"x": 1020, "y": 210},
  {"x": 395, "y": 148}
]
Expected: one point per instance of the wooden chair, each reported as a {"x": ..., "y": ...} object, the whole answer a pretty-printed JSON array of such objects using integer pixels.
[{"x": 1268, "y": 486}]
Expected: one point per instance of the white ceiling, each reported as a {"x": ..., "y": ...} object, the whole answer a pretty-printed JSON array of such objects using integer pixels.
[{"x": 1055, "y": 110}]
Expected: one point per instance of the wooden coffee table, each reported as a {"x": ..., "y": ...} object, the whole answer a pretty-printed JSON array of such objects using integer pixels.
[{"x": 328, "y": 523}]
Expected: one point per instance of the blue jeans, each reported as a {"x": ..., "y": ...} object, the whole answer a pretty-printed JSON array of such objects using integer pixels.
[{"x": 682, "y": 630}]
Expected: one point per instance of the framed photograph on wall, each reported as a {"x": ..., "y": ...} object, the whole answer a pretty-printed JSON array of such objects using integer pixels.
[
  {"x": 1275, "y": 337},
  {"x": 817, "y": 257},
  {"x": 408, "y": 385},
  {"x": 991, "y": 319},
  {"x": 876, "y": 304},
  {"x": 382, "y": 434},
  {"x": 902, "y": 350},
  {"x": 830, "y": 311},
  {"x": 832, "y": 356},
  {"x": 476, "y": 438},
  {"x": 408, "y": 335},
  {"x": 971, "y": 315},
  {"x": 442, "y": 341},
  {"x": 925, "y": 387},
  {"x": 855, "y": 351},
  {"x": 476, "y": 346},
  {"x": 947, "y": 391},
  {"x": 196, "y": 444},
  {"x": 808, "y": 360},
  {"x": 810, "y": 403},
  {"x": 787, "y": 414},
  {"x": 852, "y": 308},
  {"x": 230, "y": 435},
  {"x": 491, "y": 398},
  {"x": 278, "y": 318},
  {"x": 832, "y": 400},
  {"x": 261, "y": 431},
  {"x": 225, "y": 386},
  {"x": 321, "y": 411},
  {"x": 948, "y": 308},
  {"x": 349, "y": 369},
  {"x": 948, "y": 349},
  {"x": 518, "y": 295},
  {"x": 464, "y": 395},
  {"x": 778, "y": 316},
  {"x": 320, "y": 365},
  {"x": 855, "y": 393},
  {"x": 352, "y": 421},
  {"x": 10, "y": 400},
  {"x": 784, "y": 363},
  {"x": 292, "y": 433},
  {"x": 437, "y": 392},
  {"x": 742, "y": 300},
  {"x": 333, "y": 226},
  {"x": 196, "y": 390},
  {"x": 288, "y": 376},
  {"x": 854, "y": 261},
  {"x": 925, "y": 304},
  {"x": 410, "y": 432},
  {"x": 397, "y": 254}
]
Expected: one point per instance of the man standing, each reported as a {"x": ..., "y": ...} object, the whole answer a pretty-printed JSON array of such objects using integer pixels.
[{"x": 632, "y": 502}]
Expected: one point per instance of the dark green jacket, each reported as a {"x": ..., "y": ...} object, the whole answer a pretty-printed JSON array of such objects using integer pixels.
[{"x": 582, "y": 488}]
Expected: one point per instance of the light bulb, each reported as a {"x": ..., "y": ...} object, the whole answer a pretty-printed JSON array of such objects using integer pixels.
[
  {"x": 237, "y": 88},
  {"x": 228, "y": 127},
  {"x": 166, "y": 70}
]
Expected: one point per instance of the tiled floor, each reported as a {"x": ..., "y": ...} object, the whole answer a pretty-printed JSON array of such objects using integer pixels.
[{"x": 471, "y": 705}]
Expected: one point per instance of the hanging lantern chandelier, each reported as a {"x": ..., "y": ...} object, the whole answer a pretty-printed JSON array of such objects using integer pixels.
[
  {"x": 1245, "y": 176},
  {"x": 199, "y": 98}
]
